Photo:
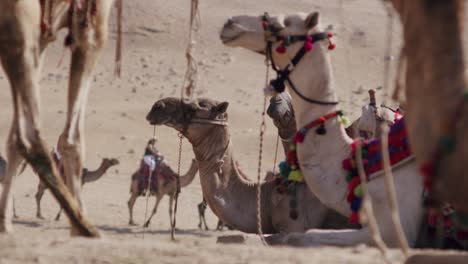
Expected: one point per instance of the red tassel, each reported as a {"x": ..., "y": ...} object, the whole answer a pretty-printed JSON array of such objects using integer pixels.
[
  {"x": 350, "y": 197},
  {"x": 347, "y": 164},
  {"x": 331, "y": 46},
  {"x": 265, "y": 25},
  {"x": 353, "y": 183},
  {"x": 354, "y": 218},
  {"x": 308, "y": 46},
  {"x": 300, "y": 137},
  {"x": 281, "y": 49}
]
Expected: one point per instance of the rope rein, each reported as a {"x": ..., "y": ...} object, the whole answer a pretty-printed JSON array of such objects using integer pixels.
[
  {"x": 188, "y": 85},
  {"x": 260, "y": 157},
  {"x": 177, "y": 192},
  {"x": 389, "y": 183}
]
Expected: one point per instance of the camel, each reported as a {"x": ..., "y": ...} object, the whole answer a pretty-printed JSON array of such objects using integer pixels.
[
  {"x": 321, "y": 154},
  {"x": 229, "y": 195},
  {"x": 434, "y": 78},
  {"x": 166, "y": 185},
  {"x": 87, "y": 176},
  {"x": 26, "y": 28}
]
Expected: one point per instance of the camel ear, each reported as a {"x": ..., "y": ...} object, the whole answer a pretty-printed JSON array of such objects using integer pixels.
[
  {"x": 221, "y": 108},
  {"x": 312, "y": 20}
]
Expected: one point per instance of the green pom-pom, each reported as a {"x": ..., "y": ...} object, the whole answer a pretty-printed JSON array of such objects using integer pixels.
[
  {"x": 344, "y": 120},
  {"x": 295, "y": 175},
  {"x": 292, "y": 147},
  {"x": 358, "y": 191},
  {"x": 349, "y": 176},
  {"x": 447, "y": 143},
  {"x": 293, "y": 167}
]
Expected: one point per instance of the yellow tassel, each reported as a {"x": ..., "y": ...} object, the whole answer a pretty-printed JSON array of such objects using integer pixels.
[
  {"x": 296, "y": 175},
  {"x": 344, "y": 120}
]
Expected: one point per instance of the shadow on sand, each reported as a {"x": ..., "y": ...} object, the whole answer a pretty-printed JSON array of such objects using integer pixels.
[{"x": 138, "y": 230}]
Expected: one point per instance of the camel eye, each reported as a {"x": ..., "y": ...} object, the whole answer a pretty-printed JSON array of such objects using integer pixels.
[
  {"x": 203, "y": 104},
  {"x": 287, "y": 22}
]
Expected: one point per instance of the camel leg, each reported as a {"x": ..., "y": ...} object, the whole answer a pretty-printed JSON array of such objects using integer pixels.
[
  {"x": 201, "y": 215},
  {"x": 14, "y": 160},
  {"x": 15, "y": 216},
  {"x": 86, "y": 46},
  {"x": 220, "y": 225},
  {"x": 131, "y": 203},
  {"x": 40, "y": 192},
  {"x": 20, "y": 58},
  {"x": 57, "y": 217},
  {"x": 200, "y": 212},
  {"x": 156, "y": 204},
  {"x": 171, "y": 202}
]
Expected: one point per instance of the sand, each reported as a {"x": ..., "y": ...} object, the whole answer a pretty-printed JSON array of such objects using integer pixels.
[{"x": 155, "y": 35}]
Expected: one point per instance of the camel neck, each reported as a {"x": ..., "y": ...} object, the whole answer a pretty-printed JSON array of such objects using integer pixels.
[
  {"x": 232, "y": 198},
  {"x": 320, "y": 156}
]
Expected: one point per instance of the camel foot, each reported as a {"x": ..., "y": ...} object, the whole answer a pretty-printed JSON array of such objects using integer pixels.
[
  {"x": 57, "y": 218},
  {"x": 146, "y": 224},
  {"x": 199, "y": 226},
  {"x": 6, "y": 227},
  {"x": 131, "y": 223},
  {"x": 15, "y": 216},
  {"x": 39, "y": 216}
]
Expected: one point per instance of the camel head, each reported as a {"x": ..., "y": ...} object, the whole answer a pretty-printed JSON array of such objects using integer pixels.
[
  {"x": 281, "y": 112},
  {"x": 191, "y": 118},
  {"x": 248, "y": 31},
  {"x": 109, "y": 162}
]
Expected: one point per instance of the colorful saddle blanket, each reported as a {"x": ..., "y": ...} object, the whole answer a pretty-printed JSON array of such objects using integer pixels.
[
  {"x": 145, "y": 183},
  {"x": 399, "y": 151}
]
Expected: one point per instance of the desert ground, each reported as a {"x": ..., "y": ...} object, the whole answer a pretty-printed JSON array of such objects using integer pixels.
[{"x": 155, "y": 36}]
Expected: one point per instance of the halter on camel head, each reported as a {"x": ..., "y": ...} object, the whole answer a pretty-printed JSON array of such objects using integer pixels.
[{"x": 273, "y": 36}]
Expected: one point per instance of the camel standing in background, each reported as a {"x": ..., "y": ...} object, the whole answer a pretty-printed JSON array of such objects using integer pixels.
[
  {"x": 26, "y": 28},
  {"x": 87, "y": 176},
  {"x": 323, "y": 150},
  {"x": 166, "y": 185}
]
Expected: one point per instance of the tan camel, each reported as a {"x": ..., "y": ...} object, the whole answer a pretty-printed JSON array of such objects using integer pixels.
[
  {"x": 166, "y": 185},
  {"x": 321, "y": 154},
  {"x": 231, "y": 197},
  {"x": 26, "y": 28},
  {"x": 87, "y": 176},
  {"x": 435, "y": 79}
]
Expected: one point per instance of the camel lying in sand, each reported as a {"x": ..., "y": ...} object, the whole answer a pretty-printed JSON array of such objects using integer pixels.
[
  {"x": 165, "y": 185},
  {"x": 231, "y": 197},
  {"x": 321, "y": 151}
]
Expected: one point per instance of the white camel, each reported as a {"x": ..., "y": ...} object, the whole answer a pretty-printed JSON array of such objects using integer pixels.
[{"x": 321, "y": 154}]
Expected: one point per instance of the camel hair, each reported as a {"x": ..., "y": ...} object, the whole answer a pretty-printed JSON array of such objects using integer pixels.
[
  {"x": 26, "y": 28},
  {"x": 321, "y": 154},
  {"x": 228, "y": 193},
  {"x": 87, "y": 176},
  {"x": 166, "y": 185},
  {"x": 435, "y": 79}
]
